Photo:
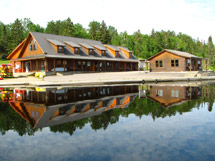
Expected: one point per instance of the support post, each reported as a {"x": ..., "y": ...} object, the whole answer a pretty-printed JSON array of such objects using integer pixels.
[
  {"x": 131, "y": 66},
  {"x": 64, "y": 62},
  {"x": 54, "y": 64},
  {"x": 73, "y": 63}
]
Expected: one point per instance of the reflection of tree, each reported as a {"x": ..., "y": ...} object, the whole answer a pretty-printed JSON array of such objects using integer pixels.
[
  {"x": 10, "y": 120},
  {"x": 69, "y": 127},
  {"x": 103, "y": 120}
]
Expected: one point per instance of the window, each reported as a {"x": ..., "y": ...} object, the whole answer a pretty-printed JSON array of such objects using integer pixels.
[
  {"x": 108, "y": 64},
  {"x": 117, "y": 54},
  {"x": 91, "y": 52},
  {"x": 156, "y": 63},
  {"x": 76, "y": 51},
  {"x": 172, "y": 63},
  {"x": 30, "y": 47},
  {"x": 161, "y": 63},
  {"x": 88, "y": 63},
  {"x": 103, "y": 53},
  {"x": 34, "y": 46},
  {"x": 84, "y": 63},
  {"x": 175, "y": 93},
  {"x": 60, "y": 49},
  {"x": 130, "y": 55},
  {"x": 161, "y": 93},
  {"x": 176, "y": 63}
]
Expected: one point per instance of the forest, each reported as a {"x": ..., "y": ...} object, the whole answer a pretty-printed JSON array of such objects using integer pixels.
[{"x": 142, "y": 45}]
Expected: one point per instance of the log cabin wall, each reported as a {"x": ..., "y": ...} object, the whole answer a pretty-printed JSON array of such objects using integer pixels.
[
  {"x": 165, "y": 59},
  {"x": 32, "y": 48}
]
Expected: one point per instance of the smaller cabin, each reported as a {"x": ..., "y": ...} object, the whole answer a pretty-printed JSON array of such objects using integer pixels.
[{"x": 174, "y": 61}]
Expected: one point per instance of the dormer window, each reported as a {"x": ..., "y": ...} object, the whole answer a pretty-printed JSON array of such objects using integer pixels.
[
  {"x": 103, "y": 52},
  {"x": 130, "y": 55},
  {"x": 76, "y": 50},
  {"x": 91, "y": 52},
  {"x": 117, "y": 53},
  {"x": 57, "y": 45},
  {"x": 60, "y": 49}
]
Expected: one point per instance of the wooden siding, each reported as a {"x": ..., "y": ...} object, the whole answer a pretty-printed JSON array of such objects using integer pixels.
[
  {"x": 111, "y": 50},
  {"x": 27, "y": 52},
  {"x": 127, "y": 53},
  {"x": 166, "y": 58},
  {"x": 15, "y": 53}
]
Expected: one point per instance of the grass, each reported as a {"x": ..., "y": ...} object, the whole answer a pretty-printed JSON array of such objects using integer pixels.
[{"x": 3, "y": 61}]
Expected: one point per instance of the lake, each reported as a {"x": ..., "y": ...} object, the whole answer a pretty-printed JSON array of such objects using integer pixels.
[{"x": 119, "y": 122}]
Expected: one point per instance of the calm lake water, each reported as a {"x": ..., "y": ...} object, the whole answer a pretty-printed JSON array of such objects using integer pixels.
[{"x": 133, "y": 122}]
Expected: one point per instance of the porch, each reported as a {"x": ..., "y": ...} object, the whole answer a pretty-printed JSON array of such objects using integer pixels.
[{"x": 71, "y": 65}]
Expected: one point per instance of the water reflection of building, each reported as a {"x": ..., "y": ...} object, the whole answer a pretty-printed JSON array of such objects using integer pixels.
[
  {"x": 173, "y": 95},
  {"x": 48, "y": 107}
]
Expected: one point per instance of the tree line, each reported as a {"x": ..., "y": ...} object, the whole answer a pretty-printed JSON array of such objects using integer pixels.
[{"x": 142, "y": 45}]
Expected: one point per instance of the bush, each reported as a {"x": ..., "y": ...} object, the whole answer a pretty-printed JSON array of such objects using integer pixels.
[{"x": 4, "y": 56}]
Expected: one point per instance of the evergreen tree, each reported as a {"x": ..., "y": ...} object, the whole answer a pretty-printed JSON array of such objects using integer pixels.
[
  {"x": 79, "y": 31},
  {"x": 138, "y": 44},
  {"x": 103, "y": 34},
  {"x": 210, "y": 52},
  {"x": 51, "y": 28},
  {"x": 16, "y": 35},
  {"x": 94, "y": 30},
  {"x": 67, "y": 28}
]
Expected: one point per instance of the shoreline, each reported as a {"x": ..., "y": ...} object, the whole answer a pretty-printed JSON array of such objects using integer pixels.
[{"x": 105, "y": 79}]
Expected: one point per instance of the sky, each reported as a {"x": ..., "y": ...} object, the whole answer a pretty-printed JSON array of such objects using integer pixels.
[{"x": 191, "y": 17}]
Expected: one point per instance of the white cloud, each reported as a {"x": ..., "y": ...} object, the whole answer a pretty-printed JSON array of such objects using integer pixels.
[{"x": 195, "y": 18}]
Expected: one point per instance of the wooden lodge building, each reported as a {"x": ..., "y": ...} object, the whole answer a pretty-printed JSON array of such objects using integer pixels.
[
  {"x": 41, "y": 52},
  {"x": 174, "y": 61}
]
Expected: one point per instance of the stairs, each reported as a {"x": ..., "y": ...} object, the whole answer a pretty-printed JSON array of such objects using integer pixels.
[{"x": 193, "y": 74}]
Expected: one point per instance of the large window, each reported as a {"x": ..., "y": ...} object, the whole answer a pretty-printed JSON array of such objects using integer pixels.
[
  {"x": 159, "y": 63},
  {"x": 174, "y": 63}
]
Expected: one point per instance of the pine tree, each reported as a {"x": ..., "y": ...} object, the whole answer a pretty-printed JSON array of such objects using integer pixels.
[
  {"x": 211, "y": 51},
  {"x": 16, "y": 35},
  {"x": 67, "y": 28},
  {"x": 94, "y": 30},
  {"x": 79, "y": 31},
  {"x": 103, "y": 34}
]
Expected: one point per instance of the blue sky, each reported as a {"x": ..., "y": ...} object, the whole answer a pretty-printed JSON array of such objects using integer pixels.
[{"x": 192, "y": 17}]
